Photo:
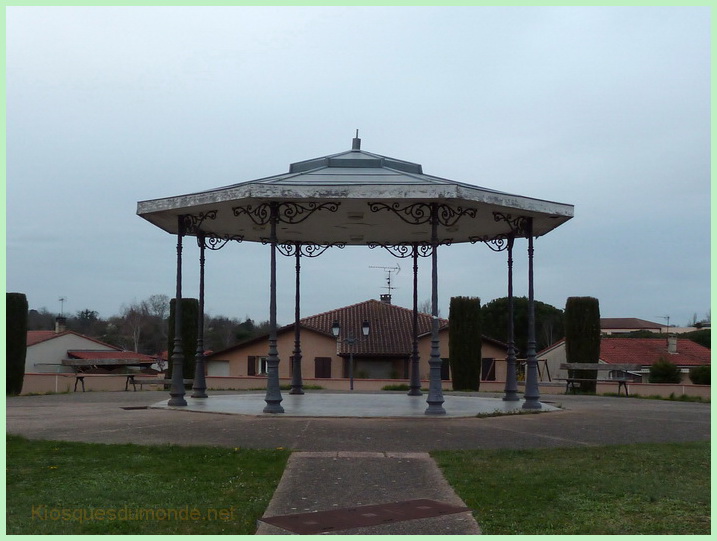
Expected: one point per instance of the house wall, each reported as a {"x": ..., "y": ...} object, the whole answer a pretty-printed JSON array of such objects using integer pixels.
[
  {"x": 554, "y": 358},
  {"x": 313, "y": 345},
  {"x": 46, "y": 357}
]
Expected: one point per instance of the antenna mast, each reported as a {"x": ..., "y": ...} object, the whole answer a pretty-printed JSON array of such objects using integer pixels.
[
  {"x": 387, "y": 297},
  {"x": 62, "y": 306},
  {"x": 668, "y": 323}
]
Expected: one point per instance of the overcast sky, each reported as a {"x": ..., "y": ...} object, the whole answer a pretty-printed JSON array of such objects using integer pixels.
[{"x": 603, "y": 108}]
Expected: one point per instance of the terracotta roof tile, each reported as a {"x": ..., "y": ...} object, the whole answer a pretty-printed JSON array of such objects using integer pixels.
[
  {"x": 35, "y": 337},
  {"x": 391, "y": 327},
  {"x": 102, "y": 355},
  {"x": 649, "y": 350},
  {"x": 627, "y": 323}
]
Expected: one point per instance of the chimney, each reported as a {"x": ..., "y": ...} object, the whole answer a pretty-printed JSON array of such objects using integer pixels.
[
  {"x": 671, "y": 344},
  {"x": 60, "y": 324},
  {"x": 386, "y": 297}
]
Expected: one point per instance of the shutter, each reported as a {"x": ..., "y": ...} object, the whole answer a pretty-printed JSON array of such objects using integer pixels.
[{"x": 251, "y": 366}]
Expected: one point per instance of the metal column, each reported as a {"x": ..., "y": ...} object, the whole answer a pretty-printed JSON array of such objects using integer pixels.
[
  {"x": 176, "y": 391},
  {"x": 532, "y": 393},
  {"x": 199, "y": 387},
  {"x": 511, "y": 383},
  {"x": 297, "y": 385},
  {"x": 273, "y": 392},
  {"x": 415, "y": 386},
  {"x": 435, "y": 389}
]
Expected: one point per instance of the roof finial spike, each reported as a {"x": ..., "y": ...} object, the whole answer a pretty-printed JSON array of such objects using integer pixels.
[{"x": 356, "y": 144}]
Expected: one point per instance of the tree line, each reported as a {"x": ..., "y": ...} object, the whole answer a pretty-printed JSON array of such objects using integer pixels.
[{"x": 142, "y": 326}]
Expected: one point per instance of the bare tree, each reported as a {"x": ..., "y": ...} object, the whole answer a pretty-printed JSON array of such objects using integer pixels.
[
  {"x": 426, "y": 307},
  {"x": 135, "y": 318}
]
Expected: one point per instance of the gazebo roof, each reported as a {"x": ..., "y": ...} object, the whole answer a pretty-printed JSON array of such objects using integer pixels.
[{"x": 358, "y": 198}]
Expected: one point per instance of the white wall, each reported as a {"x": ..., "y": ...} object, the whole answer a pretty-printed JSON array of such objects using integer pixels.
[{"x": 46, "y": 357}]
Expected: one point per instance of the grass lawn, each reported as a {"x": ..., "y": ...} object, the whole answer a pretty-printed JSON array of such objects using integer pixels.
[
  {"x": 80, "y": 488},
  {"x": 626, "y": 489}
]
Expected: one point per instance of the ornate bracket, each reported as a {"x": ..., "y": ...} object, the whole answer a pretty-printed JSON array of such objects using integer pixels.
[
  {"x": 216, "y": 242},
  {"x": 306, "y": 249},
  {"x": 498, "y": 243},
  {"x": 287, "y": 212},
  {"x": 518, "y": 228},
  {"x": 424, "y": 249},
  {"x": 422, "y": 213},
  {"x": 192, "y": 223}
]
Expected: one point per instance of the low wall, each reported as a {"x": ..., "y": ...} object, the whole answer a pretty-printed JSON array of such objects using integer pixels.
[
  {"x": 333, "y": 384},
  {"x": 63, "y": 383}
]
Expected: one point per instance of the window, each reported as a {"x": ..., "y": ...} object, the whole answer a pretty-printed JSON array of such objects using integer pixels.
[
  {"x": 487, "y": 369},
  {"x": 256, "y": 366},
  {"x": 322, "y": 367}
]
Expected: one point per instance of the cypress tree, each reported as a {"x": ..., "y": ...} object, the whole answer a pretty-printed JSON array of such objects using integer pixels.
[
  {"x": 190, "y": 322},
  {"x": 582, "y": 337},
  {"x": 16, "y": 341},
  {"x": 464, "y": 336}
]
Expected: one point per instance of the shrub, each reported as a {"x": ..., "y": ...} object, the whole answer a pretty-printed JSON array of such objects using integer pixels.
[
  {"x": 664, "y": 371},
  {"x": 16, "y": 341},
  {"x": 700, "y": 375},
  {"x": 397, "y": 387},
  {"x": 702, "y": 337},
  {"x": 582, "y": 337},
  {"x": 190, "y": 329},
  {"x": 465, "y": 342}
]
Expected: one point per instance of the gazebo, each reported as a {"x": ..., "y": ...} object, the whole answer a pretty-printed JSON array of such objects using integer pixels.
[{"x": 354, "y": 198}]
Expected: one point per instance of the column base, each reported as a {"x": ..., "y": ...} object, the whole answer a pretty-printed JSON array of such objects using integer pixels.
[
  {"x": 415, "y": 392},
  {"x": 273, "y": 408},
  {"x": 199, "y": 394},
  {"x": 511, "y": 396},
  {"x": 177, "y": 401},
  {"x": 435, "y": 409},
  {"x": 532, "y": 404},
  {"x": 296, "y": 390}
]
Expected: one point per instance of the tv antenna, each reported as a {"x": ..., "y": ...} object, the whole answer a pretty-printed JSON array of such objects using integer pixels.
[
  {"x": 388, "y": 271},
  {"x": 668, "y": 322},
  {"x": 62, "y": 306}
]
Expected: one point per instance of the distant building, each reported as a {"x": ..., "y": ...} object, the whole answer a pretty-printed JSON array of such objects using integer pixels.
[
  {"x": 644, "y": 351},
  {"x": 623, "y": 325},
  {"x": 62, "y": 351},
  {"x": 384, "y": 354}
]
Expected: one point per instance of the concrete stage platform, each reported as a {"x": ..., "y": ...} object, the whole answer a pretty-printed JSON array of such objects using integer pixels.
[{"x": 351, "y": 404}]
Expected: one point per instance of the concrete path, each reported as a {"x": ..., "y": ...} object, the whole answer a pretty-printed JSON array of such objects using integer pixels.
[{"x": 349, "y": 462}]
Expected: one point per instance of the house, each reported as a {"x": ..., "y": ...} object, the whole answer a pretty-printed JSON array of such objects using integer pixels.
[
  {"x": 384, "y": 354},
  {"x": 644, "y": 351},
  {"x": 62, "y": 351},
  {"x": 624, "y": 325}
]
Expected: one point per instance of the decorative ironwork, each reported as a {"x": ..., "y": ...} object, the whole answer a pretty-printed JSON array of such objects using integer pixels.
[
  {"x": 286, "y": 212},
  {"x": 306, "y": 249},
  {"x": 192, "y": 224},
  {"x": 498, "y": 243},
  {"x": 404, "y": 250},
  {"x": 212, "y": 241},
  {"x": 422, "y": 213},
  {"x": 518, "y": 226},
  {"x": 260, "y": 215}
]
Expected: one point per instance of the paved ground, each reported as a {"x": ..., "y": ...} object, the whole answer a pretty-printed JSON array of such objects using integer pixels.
[
  {"x": 354, "y": 404},
  {"x": 584, "y": 420},
  {"x": 344, "y": 462}
]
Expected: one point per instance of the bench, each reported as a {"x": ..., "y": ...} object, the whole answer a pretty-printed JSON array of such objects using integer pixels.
[
  {"x": 80, "y": 378},
  {"x": 572, "y": 383},
  {"x": 147, "y": 381}
]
